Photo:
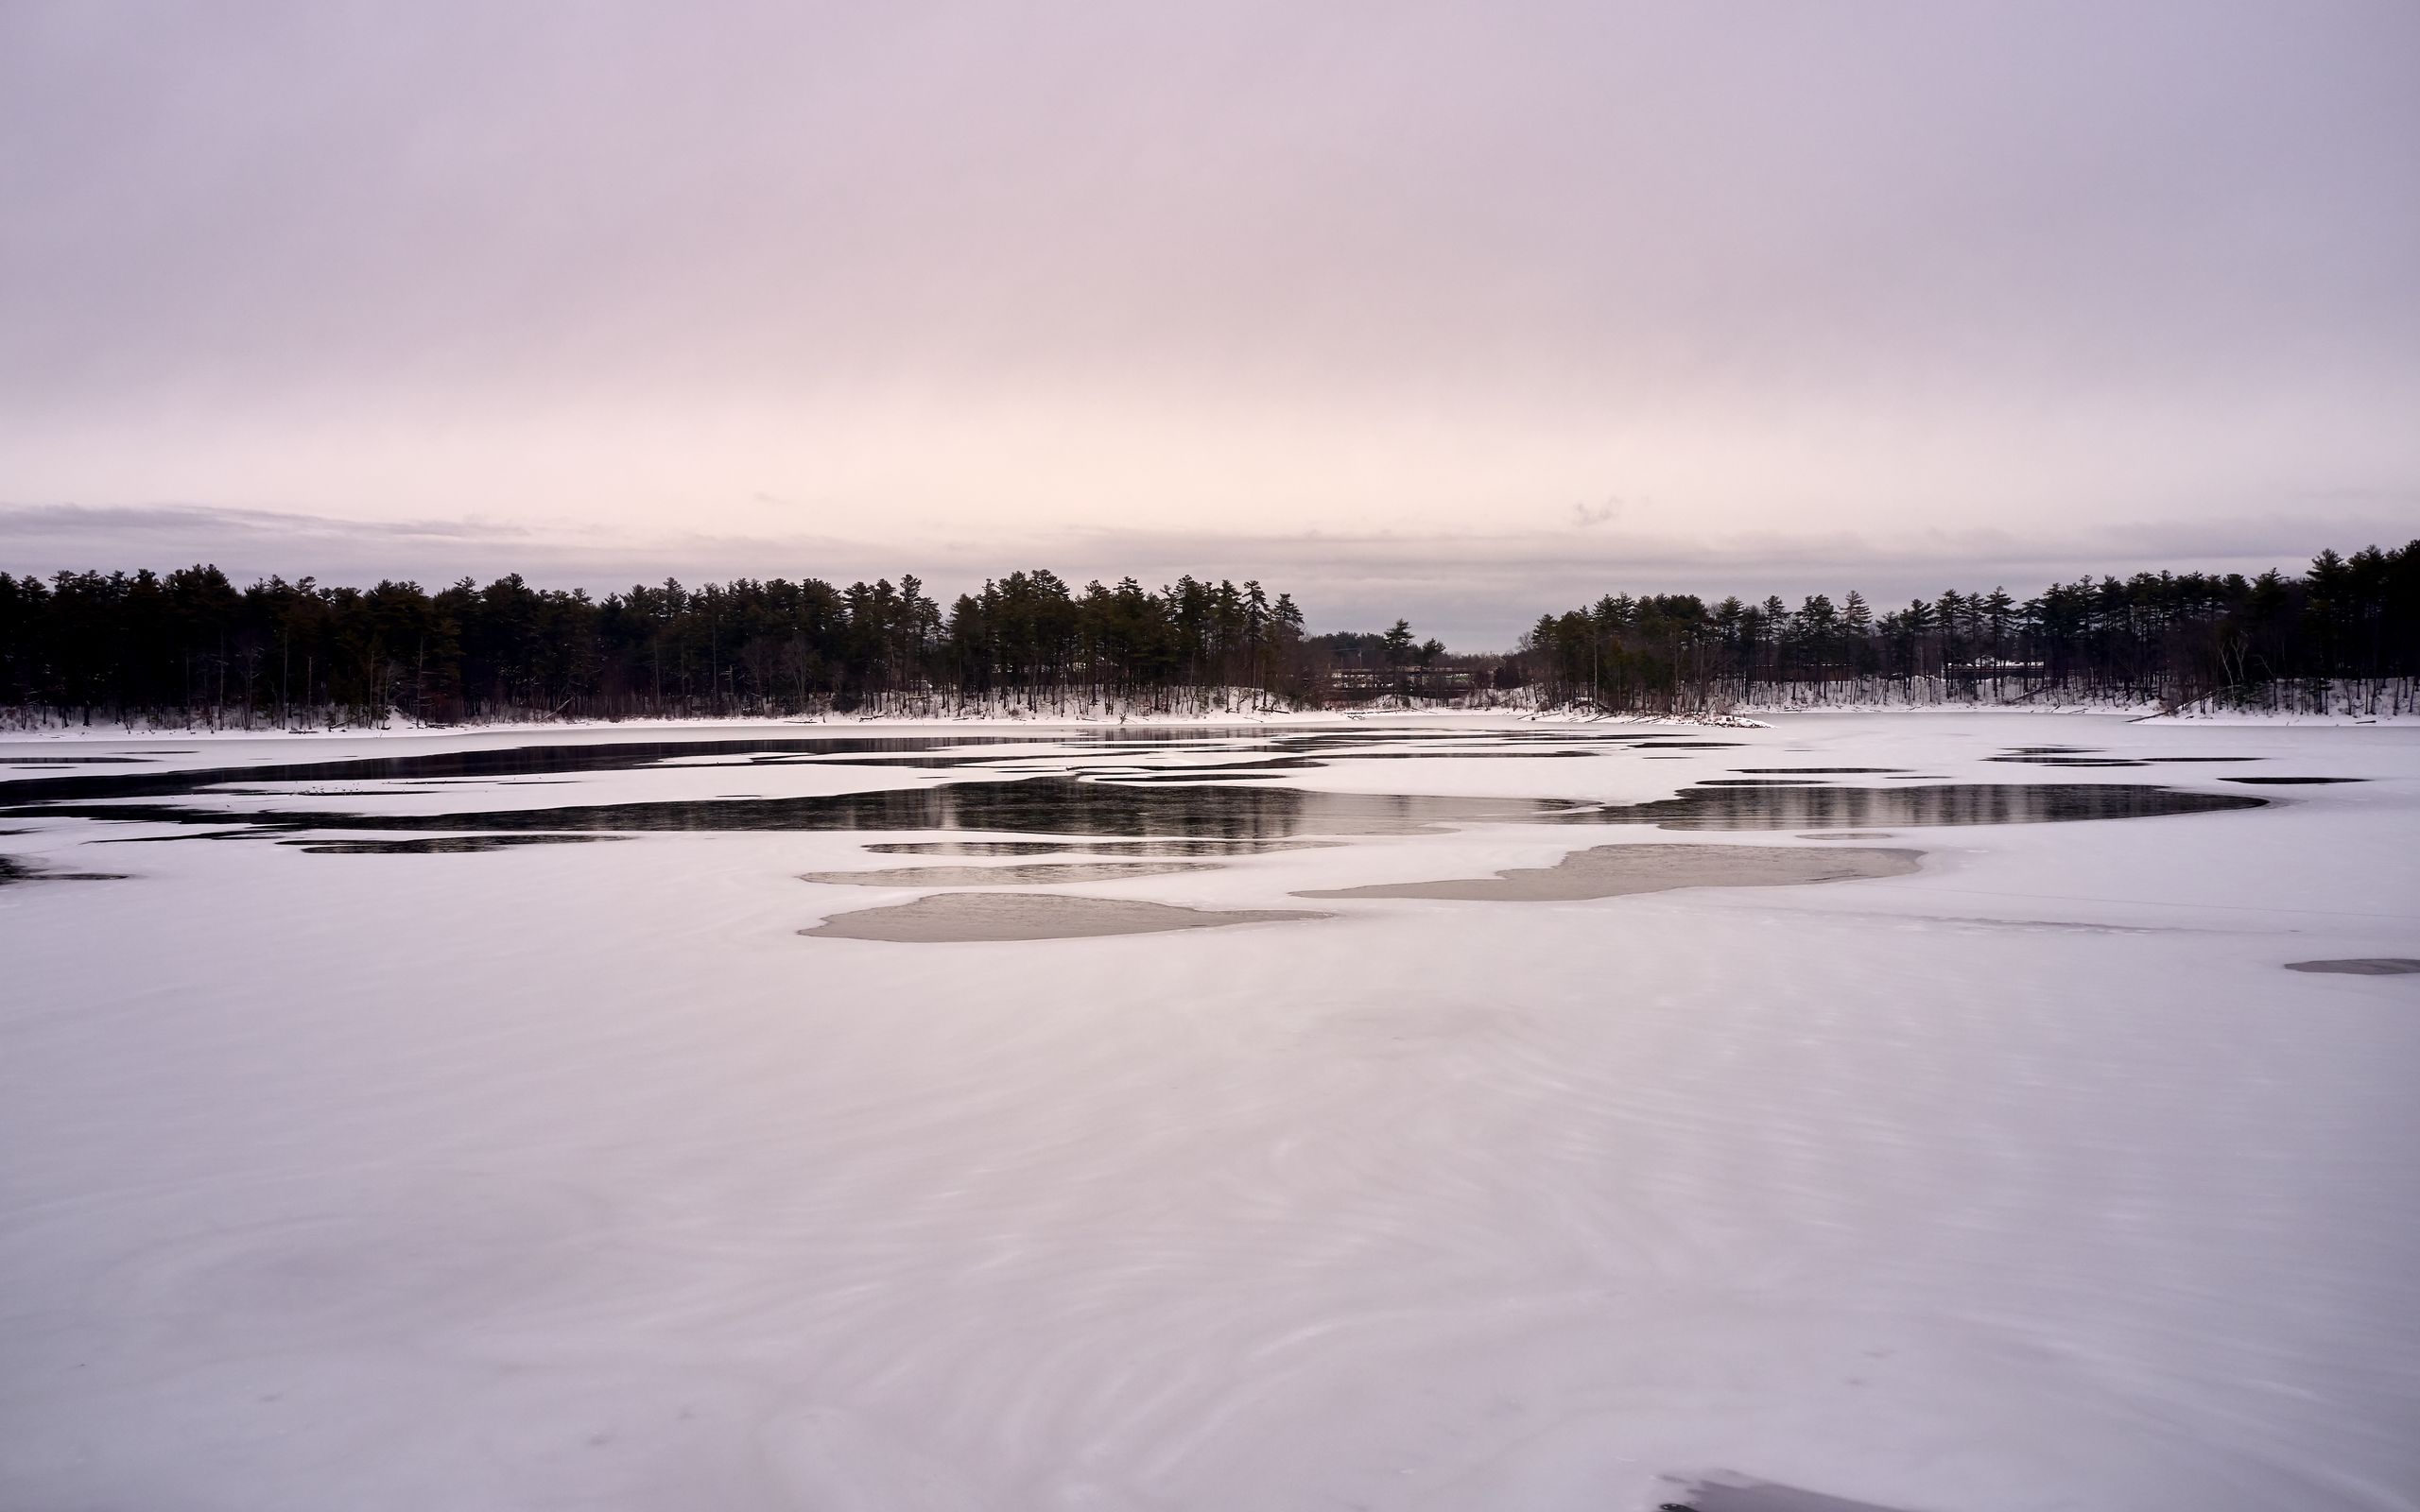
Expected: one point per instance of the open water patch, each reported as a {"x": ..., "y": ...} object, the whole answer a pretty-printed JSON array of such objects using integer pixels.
[
  {"x": 2292, "y": 781},
  {"x": 2361, "y": 966}
]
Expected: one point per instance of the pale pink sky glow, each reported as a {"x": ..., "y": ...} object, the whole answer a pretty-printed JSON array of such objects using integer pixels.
[{"x": 1713, "y": 286}]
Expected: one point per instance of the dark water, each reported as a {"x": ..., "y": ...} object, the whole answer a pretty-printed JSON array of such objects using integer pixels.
[
  {"x": 2292, "y": 781},
  {"x": 2361, "y": 966}
]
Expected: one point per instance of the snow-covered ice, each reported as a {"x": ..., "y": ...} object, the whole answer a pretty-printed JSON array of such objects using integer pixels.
[{"x": 563, "y": 1176}]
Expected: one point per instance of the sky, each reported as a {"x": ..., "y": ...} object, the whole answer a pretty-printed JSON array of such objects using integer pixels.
[{"x": 1461, "y": 313}]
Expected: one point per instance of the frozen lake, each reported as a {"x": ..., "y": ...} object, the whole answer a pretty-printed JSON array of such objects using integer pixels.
[{"x": 1916, "y": 1109}]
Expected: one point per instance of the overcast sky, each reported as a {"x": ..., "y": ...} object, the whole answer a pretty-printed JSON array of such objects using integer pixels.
[{"x": 1460, "y": 312}]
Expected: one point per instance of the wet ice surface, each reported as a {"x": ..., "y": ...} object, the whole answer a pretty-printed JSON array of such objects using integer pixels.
[
  {"x": 959, "y": 917},
  {"x": 1735, "y": 1494},
  {"x": 1619, "y": 871},
  {"x": 573, "y": 1174}
]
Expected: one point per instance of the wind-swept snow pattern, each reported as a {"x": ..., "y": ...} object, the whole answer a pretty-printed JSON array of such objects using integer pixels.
[{"x": 371, "y": 1146}]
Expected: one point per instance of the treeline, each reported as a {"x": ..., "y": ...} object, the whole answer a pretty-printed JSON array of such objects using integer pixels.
[
  {"x": 2169, "y": 637},
  {"x": 190, "y": 646}
]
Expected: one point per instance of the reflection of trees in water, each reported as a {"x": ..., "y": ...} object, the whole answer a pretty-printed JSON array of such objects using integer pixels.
[
  {"x": 1792, "y": 808},
  {"x": 1155, "y": 804},
  {"x": 1036, "y": 805},
  {"x": 1060, "y": 806}
]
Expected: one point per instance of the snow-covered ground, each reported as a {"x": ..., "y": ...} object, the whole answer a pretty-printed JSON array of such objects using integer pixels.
[{"x": 575, "y": 1177}]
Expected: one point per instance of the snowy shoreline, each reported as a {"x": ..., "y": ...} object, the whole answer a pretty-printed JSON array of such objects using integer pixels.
[{"x": 1752, "y": 717}]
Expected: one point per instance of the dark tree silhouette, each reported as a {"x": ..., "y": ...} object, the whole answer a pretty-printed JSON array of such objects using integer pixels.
[
  {"x": 190, "y": 646},
  {"x": 2350, "y": 624}
]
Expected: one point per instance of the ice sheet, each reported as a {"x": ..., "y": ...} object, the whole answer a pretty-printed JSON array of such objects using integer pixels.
[{"x": 575, "y": 1175}]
